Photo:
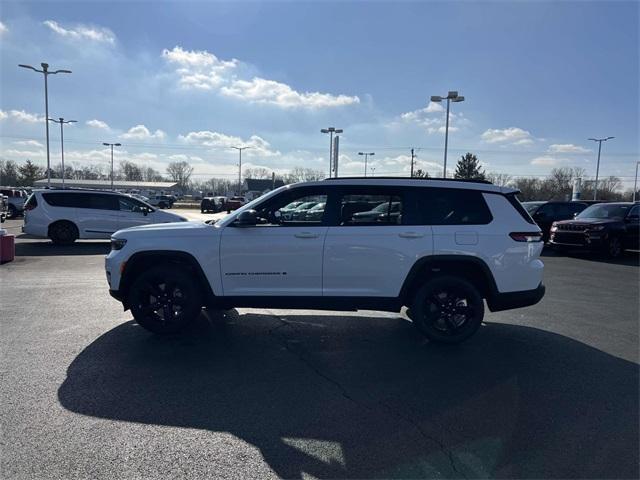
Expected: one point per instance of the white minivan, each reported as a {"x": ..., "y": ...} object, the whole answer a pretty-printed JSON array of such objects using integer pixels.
[{"x": 67, "y": 215}]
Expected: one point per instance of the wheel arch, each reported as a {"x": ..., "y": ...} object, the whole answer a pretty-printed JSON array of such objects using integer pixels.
[
  {"x": 58, "y": 222},
  {"x": 473, "y": 269},
  {"x": 141, "y": 261}
]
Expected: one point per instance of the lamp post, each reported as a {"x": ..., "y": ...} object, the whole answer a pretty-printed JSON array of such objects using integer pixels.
[
  {"x": 331, "y": 131},
  {"x": 111, "y": 145},
  {"x": 599, "y": 140},
  {"x": 635, "y": 182},
  {"x": 240, "y": 168},
  {"x": 62, "y": 121},
  {"x": 451, "y": 97},
  {"x": 366, "y": 156},
  {"x": 45, "y": 72}
]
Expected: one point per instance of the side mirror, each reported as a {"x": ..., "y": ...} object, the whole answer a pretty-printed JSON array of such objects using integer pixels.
[{"x": 248, "y": 218}]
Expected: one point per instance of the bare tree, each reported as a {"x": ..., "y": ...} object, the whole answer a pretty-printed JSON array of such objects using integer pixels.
[
  {"x": 151, "y": 175},
  {"x": 180, "y": 172},
  {"x": 130, "y": 171},
  {"x": 500, "y": 179},
  {"x": 257, "y": 172},
  {"x": 300, "y": 174}
]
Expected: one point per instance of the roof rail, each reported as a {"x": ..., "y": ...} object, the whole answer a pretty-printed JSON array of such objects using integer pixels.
[{"x": 413, "y": 178}]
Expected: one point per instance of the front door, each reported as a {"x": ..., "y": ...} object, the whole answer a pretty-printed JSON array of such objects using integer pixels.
[
  {"x": 277, "y": 257},
  {"x": 97, "y": 215},
  {"x": 131, "y": 213}
]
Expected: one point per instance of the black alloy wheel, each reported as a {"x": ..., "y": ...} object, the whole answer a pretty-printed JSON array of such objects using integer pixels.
[
  {"x": 447, "y": 309},
  {"x": 165, "y": 299}
]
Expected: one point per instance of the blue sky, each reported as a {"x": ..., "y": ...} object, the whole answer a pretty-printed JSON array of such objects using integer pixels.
[{"x": 176, "y": 81}]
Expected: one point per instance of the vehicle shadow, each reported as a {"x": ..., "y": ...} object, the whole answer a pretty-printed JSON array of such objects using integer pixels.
[
  {"x": 44, "y": 248},
  {"x": 356, "y": 397},
  {"x": 628, "y": 258}
]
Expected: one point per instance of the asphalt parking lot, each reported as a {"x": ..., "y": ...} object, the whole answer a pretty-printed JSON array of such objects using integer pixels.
[{"x": 550, "y": 391}]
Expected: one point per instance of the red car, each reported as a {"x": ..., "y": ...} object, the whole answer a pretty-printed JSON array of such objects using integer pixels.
[{"x": 234, "y": 203}]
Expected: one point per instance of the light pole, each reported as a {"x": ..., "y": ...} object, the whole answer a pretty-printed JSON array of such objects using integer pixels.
[
  {"x": 240, "y": 168},
  {"x": 331, "y": 131},
  {"x": 635, "y": 182},
  {"x": 62, "y": 121},
  {"x": 112, "y": 145},
  {"x": 451, "y": 97},
  {"x": 45, "y": 72},
  {"x": 366, "y": 156},
  {"x": 599, "y": 140}
]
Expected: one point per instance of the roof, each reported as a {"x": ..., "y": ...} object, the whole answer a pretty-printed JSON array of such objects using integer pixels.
[
  {"x": 119, "y": 184},
  {"x": 260, "y": 185},
  {"x": 418, "y": 182}
]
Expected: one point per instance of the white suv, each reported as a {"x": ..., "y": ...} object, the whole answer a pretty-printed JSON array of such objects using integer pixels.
[
  {"x": 441, "y": 248},
  {"x": 66, "y": 215}
]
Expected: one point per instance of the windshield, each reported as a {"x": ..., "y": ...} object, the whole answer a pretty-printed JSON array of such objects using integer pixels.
[
  {"x": 531, "y": 207},
  {"x": 604, "y": 211}
]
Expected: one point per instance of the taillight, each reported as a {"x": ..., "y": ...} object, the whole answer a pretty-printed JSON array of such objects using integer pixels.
[{"x": 526, "y": 236}]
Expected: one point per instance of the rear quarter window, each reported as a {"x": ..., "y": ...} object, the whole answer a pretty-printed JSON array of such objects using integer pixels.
[
  {"x": 448, "y": 206},
  {"x": 70, "y": 200}
]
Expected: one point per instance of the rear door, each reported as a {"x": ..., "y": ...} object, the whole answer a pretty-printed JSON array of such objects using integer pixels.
[
  {"x": 370, "y": 247},
  {"x": 632, "y": 224},
  {"x": 97, "y": 214}
]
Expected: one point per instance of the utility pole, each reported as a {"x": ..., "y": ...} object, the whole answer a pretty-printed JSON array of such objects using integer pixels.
[
  {"x": 45, "y": 72},
  {"x": 599, "y": 140},
  {"x": 635, "y": 182},
  {"x": 331, "y": 131},
  {"x": 62, "y": 121},
  {"x": 111, "y": 145},
  {"x": 240, "y": 168}
]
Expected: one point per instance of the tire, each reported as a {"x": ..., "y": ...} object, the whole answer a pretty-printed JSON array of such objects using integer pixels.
[
  {"x": 203, "y": 211},
  {"x": 165, "y": 299},
  {"x": 447, "y": 309},
  {"x": 613, "y": 248},
  {"x": 162, "y": 205},
  {"x": 13, "y": 211},
  {"x": 63, "y": 233}
]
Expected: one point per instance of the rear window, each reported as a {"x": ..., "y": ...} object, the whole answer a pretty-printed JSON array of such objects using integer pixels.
[{"x": 449, "y": 206}]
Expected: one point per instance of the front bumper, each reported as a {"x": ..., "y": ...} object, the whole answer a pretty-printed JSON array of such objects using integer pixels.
[
  {"x": 510, "y": 300},
  {"x": 586, "y": 240}
]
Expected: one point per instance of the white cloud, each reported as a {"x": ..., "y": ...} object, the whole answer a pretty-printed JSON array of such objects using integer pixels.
[
  {"x": 29, "y": 143},
  {"x": 83, "y": 32},
  {"x": 260, "y": 90},
  {"x": 435, "y": 123},
  {"x": 567, "y": 148},
  {"x": 548, "y": 161},
  {"x": 140, "y": 132},
  {"x": 511, "y": 135},
  {"x": 202, "y": 70},
  {"x": 21, "y": 116},
  {"x": 98, "y": 124},
  {"x": 434, "y": 107},
  {"x": 259, "y": 146},
  {"x": 3, "y": 28}
]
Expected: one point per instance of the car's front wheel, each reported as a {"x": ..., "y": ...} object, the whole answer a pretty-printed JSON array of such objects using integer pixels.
[
  {"x": 613, "y": 247},
  {"x": 165, "y": 299},
  {"x": 447, "y": 309}
]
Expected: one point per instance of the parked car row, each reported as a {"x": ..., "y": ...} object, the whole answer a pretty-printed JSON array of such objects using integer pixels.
[
  {"x": 16, "y": 198},
  {"x": 67, "y": 215}
]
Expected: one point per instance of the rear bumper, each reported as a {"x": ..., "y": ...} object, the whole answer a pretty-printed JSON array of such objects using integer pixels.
[{"x": 510, "y": 300}]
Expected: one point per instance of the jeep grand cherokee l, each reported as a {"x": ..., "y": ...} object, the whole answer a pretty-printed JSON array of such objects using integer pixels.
[{"x": 447, "y": 247}]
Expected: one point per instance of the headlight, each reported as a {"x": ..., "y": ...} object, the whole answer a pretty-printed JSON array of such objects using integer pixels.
[
  {"x": 596, "y": 228},
  {"x": 117, "y": 243},
  {"x": 554, "y": 227}
]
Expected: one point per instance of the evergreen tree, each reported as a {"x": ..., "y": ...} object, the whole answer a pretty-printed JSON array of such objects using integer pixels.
[
  {"x": 468, "y": 167},
  {"x": 29, "y": 173}
]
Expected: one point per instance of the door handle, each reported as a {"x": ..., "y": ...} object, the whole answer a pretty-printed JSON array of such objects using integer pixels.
[
  {"x": 411, "y": 235},
  {"x": 306, "y": 235}
]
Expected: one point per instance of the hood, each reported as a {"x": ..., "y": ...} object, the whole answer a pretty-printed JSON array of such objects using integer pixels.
[
  {"x": 589, "y": 221},
  {"x": 162, "y": 216},
  {"x": 176, "y": 229}
]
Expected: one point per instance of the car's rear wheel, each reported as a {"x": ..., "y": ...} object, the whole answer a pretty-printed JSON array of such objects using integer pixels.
[
  {"x": 13, "y": 211},
  {"x": 165, "y": 299},
  {"x": 162, "y": 205},
  {"x": 447, "y": 309},
  {"x": 63, "y": 233}
]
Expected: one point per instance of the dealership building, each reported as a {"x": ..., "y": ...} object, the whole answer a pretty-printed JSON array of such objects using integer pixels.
[{"x": 121, "y": 185}]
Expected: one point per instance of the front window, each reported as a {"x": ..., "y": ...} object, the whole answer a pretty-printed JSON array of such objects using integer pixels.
[
  {"x": 531, "y": 208},
  {"x": 604, "y": 211},
  {"x": 277, "y": 211}
]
